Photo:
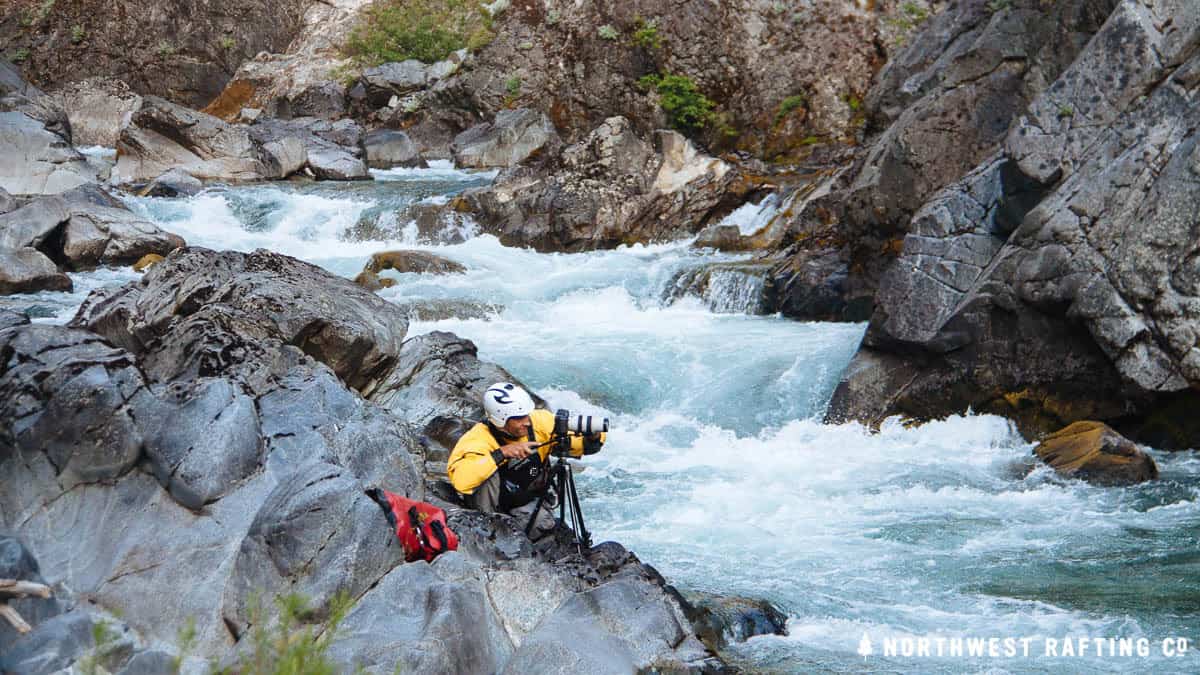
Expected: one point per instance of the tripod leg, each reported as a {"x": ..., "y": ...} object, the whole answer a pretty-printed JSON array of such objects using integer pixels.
[
  {"x": 582, "y": 536},
  {"x": 533, "y": 516}
]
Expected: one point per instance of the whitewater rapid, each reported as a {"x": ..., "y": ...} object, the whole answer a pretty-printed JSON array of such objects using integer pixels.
[{"x": 719, "y": 471}]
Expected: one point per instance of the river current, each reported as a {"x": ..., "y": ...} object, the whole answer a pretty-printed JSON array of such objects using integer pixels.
[{"x": 718, "y": 470}]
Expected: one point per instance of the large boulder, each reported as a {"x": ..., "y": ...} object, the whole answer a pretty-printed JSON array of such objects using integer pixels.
[
  {"x": 26, "y": 270},
  {"x": 98, "y": 109},
  {"x": 330, "y": 150},
  {"x": 219, "y": 313},
  {"x": 1093, "y": 452},
  {"x": 612, "y": 188},
  {"x": 84, "y": 228},
  {"x": 162, "y": 136},
  {"x": 389, "y": 148},
  {"x": 511, "y": 139}
]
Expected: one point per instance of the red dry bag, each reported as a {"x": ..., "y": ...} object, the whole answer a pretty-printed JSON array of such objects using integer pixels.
[{"x": 420, "y": 526}]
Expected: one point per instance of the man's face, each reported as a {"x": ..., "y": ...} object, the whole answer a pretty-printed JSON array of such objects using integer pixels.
[{"x": 518, "y": 427}]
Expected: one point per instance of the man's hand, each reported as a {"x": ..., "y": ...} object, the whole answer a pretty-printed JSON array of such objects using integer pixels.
[{"x": 518, "y": 450}]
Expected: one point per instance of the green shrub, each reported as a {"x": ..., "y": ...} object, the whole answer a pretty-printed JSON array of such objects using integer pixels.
[
  {"x": 607, "y": 32},
  {"x": 77, "y": 34},
  {"x": 645, "y": 34},
  {"x": 227, "y": 43},
  {"x": 164, "y": 49},
  {"x": 20, "y": 55},
  {"x": 288, "y": 646},
  {"x": 788, "y": 105},
  {"x": 686, "y": 107},
  {"x": 910, "y": 17},
  {"x": 426, "y": 30}
]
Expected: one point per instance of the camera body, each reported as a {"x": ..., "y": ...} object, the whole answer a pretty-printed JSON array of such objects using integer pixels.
[{"x": 582, "y": 425}]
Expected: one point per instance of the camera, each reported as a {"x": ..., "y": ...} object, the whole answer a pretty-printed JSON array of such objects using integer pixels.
[{"x": 585, "y": 425}]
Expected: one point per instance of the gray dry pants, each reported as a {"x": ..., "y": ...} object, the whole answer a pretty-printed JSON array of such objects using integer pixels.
[{"x": 486, "y": 498}]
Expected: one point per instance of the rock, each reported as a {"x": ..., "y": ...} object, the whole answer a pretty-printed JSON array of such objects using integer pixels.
[
  {"x": 98, "y": 109},
  {"x": 84, "y": 228},
  {"x": 412, "y": 262},
  {"x": 388, "y": 148},
  {"x": 1093, "y": 452},
  {"x": 317, "y": 525},
  {"x": 721, "y": 620},
  {"x": 735, "y": 287},
  {"x": 393, "y": 79},
  {"x": 811, "y": 284},
  {"x": 7, "y": 203},
  {"x": 417, "y": 618},
  {"x": 9, "y": 319},
  {"x": 162, "y": 136},
  {"x": 612, "y": 188},
  {"x": 16, "y": 562},
  {"x": 511, "y": 139},
  {"x": 618, "y": 627},
  {"x": 223, "y": 311},
  {"x": 440, "y": 310},
  {"x": 332, "y": 151},
  {"x": 173, "y": 183},
  {"x": 52, "y": 647},
  {"x": 38, "y": 161},
  {"x": 26, "y": 270},
  {"x": 437, "y": 385},
  {"x": 64, "y": 395}
]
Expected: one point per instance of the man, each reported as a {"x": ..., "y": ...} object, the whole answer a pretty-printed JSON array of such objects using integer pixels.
[{"x": 497, "y": 465}]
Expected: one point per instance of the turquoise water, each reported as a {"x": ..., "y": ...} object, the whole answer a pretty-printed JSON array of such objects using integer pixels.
[{"x": 719, "y": 473}]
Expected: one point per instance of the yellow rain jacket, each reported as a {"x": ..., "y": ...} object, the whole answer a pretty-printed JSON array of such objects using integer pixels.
[{"x": 471, "y": 463}]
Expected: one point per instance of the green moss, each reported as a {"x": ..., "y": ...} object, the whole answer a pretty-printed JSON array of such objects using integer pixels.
[
  {"x": 911, "y": 16},
  {"x": 164, "y": 49},
  {"x": 425, "y": 30},
  {"x": 78, "y": 34},
  {"x": 1066, "y": 111},
  {"x": 20, "y": 55},
  {"x": 645, "y": 33},
  {"x": 789, "y": 105},
  {"x": 607, "y": 32},
  {"x": 227, "y": 43}
]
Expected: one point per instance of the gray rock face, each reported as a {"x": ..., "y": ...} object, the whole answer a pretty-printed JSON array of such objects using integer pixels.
[
  {"x": 174, "y": 183},
  {"x": 36, "y": 160},
  {"x": 388, "y": 148},
  {"x": 98, "y": 109},
  {"x": 512, "y": 138},
  {"x": 437, "y": 385},
  {"x": 224, "y": 311},
  {"x": 26, "y": 270},
  {"x": 162, "y": 136},
  {"x": 609, "y": 189},
  {"x": 1071, "y": 234},
  {"x": 7, "y": 203}
]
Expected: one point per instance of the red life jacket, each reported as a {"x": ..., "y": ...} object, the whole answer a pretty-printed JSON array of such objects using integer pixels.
[{"x": 421, "y": 527}]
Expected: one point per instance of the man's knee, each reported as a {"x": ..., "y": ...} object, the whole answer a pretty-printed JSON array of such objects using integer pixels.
[{"x": 486, "y": 497}]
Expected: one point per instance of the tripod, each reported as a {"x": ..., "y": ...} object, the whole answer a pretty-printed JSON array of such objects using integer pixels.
[{"x": 562, "y": 480}]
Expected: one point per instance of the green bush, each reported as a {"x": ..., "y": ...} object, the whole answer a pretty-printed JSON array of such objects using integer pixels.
[
  {"x": 20, "y": 55},
  {"x": 607, "y": 32},
  {"x": 686, "y": 107},
  {"x": 77, "y": 34},
  {"x": 426, "y": 30}
]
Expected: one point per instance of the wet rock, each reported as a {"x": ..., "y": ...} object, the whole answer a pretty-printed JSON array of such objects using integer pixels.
[
  {"x": 16, "y": 562},
  {"x": 511, "y": 139},
  {"x": 1093, "y": 452},
  {"x": 174, "y": 183},
  {"x": 736, "y": 287},
  {"x": 721, "y": 620},
  {"x": 412, "y": 262},
  {"x": 440, "y": 310},
  {"x": 211, "y": 313},
  {"x": 388, "y": 148},
  {"x": 26, "y": 270},
  {"x": 162, "y": 136}
]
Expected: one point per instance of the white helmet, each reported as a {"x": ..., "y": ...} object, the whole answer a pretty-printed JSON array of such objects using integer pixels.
[{"x": 504, "y": 400}]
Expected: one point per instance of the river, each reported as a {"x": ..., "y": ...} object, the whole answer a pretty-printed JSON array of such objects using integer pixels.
[{"x": 718, "y": 470}]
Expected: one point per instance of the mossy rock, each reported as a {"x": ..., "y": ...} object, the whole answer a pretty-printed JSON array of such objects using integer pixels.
[
  {"x": 146, "y": 262},
  {"x": 1093, "y": 452}
]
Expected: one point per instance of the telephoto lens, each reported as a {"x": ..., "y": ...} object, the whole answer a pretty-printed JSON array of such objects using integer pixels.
[{"x": 588, "y": 425}]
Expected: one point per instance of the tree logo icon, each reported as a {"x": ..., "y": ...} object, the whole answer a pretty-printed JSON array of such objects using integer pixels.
[{"x": 864, "y": 647}]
